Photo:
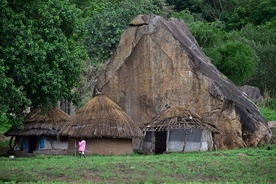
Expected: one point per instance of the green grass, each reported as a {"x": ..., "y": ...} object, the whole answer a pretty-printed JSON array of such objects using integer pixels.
[
  {"x": 236, "y": 166},
  {"x": 239, "y": 166},
  {"x": 268, "y": 114}
]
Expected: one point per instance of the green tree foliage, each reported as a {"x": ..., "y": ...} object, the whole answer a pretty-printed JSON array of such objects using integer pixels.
[
  {"x": 179, "y": 5},
  {"x": 39, "y": 54},
  {"x": 89, "y": 6},
  {"x": 262, "y": 40},
  {"x": 210, "y": 10},
  {"x": 208, "y": 35},
  {"x": 256, "y": 12},
  {"x": 237, "y": 19},
  {"x": 261, "y": 11},
  {"x": 235, "y": 60},
  {"x": 108, "y": 23}
]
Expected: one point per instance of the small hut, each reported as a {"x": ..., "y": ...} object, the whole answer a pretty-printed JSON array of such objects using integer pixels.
[
  {"x": 104, "y": 125},
  {"x": 39, "y": 132},
  {"x": 177, "y": 129}
]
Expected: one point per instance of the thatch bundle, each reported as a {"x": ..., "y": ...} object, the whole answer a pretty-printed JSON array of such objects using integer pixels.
[
  {"x": 38, "y": 122},
  {"x": 176, "y": 118},
  {"x": 101, "y": 117}
]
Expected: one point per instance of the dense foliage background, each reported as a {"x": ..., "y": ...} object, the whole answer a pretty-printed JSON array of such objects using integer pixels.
[
  {"x": 45, "y": 46},
  {"x": 39, "y": 54}
]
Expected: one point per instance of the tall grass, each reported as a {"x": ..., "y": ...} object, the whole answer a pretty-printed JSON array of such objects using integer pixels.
[{"x": 239, "y": 165}]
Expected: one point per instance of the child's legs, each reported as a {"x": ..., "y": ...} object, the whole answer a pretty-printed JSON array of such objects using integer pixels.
[{"x": 81, "y": 153}]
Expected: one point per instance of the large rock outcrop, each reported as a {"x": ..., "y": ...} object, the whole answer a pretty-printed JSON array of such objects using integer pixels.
[
  {"x": 159, "y": 62},
  {"x": 253, "y": 93}
]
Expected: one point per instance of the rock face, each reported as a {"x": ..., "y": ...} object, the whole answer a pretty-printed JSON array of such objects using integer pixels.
[
  {"x": 253, "y": 93},
  {"x": 272, "y": 126},
  {"x": 159, "y": 62}
]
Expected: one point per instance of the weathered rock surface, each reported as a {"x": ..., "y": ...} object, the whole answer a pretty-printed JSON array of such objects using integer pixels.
[
  {"x": 272, "y": 126},
  {"x": 253, "y": 93},
  {"x": 159, "y": 62}
]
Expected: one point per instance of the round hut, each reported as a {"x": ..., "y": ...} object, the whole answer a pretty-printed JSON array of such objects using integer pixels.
[
  {"x": 177, "y": 129},
  {"x": 39, "y": 132},
  {"x": 104, "y": 125}
]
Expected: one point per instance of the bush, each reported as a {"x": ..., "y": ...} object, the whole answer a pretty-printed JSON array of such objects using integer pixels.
[{"x": 235, "y": 60}]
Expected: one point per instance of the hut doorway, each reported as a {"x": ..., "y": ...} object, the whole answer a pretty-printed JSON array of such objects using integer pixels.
[
  {"x": 32, "y": 143},
  {"x": 160, "y": 142}
]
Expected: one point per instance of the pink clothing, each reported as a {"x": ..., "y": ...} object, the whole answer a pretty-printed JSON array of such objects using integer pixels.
[{"x": 82, "y": 145}]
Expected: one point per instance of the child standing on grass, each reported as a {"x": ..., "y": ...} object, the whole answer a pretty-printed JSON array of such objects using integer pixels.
[{"x": 82, "y": 145}]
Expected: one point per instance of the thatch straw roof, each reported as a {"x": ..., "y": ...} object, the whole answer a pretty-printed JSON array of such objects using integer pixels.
[
  {"x": 101, "y": 117},
  {"x": 176, "y": 118},
  {"x": 38, "y": 122}
]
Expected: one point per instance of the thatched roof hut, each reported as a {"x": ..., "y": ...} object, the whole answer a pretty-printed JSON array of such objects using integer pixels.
[
  {"x": 175, "y": 118},
  {"x": 39, "y": 132},
  {"x": 40, "y": 122},
  {"x": 102, "y": 120},
  {"x": 177, "y": 129}
]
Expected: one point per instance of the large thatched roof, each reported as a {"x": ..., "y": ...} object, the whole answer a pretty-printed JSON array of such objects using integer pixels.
[
  {"x": 101, "y": 117},
  {"x": 38, "y": 122},
  {"x": 175, "y": 118}
]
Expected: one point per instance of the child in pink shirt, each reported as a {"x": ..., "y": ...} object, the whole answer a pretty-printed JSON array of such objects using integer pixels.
[{"x": 82, "y": 145}]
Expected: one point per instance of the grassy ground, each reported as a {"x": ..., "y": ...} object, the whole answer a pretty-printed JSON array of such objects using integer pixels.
[
  {"x": 239, "y": 165},
  {"x": 268, "y": 114}
]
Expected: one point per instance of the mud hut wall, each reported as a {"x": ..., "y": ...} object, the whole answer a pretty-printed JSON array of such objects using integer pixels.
[
  {"x": 206, "y": 140},
  {"x": 148, "y": 142},
  {"x": 176, "y": 140},
  {"x": 44, "y": 143},
  {"x": 59, "y": 145},
  {"x": 193, "y": 139},
  {"x": 72, "y": 146},
  {"x": 107, "y": 146},
  {"x": 102, "y": 146},
  {"x": 137, "y": 144},
  {"x": 51, "y": 142}
]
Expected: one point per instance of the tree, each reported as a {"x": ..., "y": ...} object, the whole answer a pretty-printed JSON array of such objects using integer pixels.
[
  {"x": 262, "y": 39},
  {"x": 108, "y": 23},
  {"x": 210, "y": 10},
  {"x": 256, "y": 12},
  {"x": 39, "y": 54},
  {"x": 235, "y": 60}
]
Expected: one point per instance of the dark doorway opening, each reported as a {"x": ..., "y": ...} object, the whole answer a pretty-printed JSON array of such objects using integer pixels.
[
  {"x": 160, "y": 142},
  {"x": 32, "y": 143}
]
